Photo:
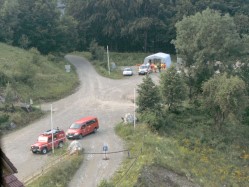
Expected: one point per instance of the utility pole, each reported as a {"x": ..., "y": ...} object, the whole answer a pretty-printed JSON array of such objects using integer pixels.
[
  {"x": 108, "y": 60},
  {"x": 52, "y": 128},
  {"x": 134, "y": 108}
]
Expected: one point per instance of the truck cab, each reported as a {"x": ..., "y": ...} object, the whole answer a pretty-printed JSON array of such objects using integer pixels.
[{"x": 49, "y": 139}]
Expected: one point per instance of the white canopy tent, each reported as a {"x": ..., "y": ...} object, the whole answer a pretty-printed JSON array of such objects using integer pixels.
[{"x": 163, "y": 57}]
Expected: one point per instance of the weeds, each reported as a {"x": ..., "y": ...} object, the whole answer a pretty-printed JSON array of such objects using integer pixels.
[
  {"x": 60, "y": 174},
  {"x": 32, "y": 76},
  {"x": 192, "y": 149}
]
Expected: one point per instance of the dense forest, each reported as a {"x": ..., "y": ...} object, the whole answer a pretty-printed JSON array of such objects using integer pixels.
[
  {"x": 127, "y": 25},
  {"x": 210, "y": 37}
]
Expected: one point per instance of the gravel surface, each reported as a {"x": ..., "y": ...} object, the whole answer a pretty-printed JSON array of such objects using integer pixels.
[{"x": 107, "y": 99}]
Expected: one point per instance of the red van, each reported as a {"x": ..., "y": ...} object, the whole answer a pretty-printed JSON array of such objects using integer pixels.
[{"x": 83, "y": 127}]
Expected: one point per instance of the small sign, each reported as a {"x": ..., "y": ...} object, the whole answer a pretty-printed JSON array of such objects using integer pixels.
[
  {"x": 105, "y": 147},
  {"x": 67, "y": 68}
]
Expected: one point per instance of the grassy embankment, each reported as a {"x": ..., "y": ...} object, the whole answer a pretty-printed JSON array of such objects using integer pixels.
[
  {"x": 61, "y": 173},
  {"x": 190, "y": 147},
  {"x": 31, "y": 76}
]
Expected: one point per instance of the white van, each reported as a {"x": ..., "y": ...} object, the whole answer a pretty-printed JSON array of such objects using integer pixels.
[{"x": 144, "y": 69}]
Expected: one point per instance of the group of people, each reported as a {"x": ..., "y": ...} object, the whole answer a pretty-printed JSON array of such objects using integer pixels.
[{"x": 154, "y": 67}]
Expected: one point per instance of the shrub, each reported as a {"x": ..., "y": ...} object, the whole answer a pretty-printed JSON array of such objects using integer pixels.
[
  {"x": 156, "y": 121},
  {"x": 96, "y": 51}
]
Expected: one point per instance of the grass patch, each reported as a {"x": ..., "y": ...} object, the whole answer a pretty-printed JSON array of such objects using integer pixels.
[
  {"x": 187, "y": 150},
  {"x": 42, "y": 80},
  {"x": 32, "y": 76},
  {"x": 60, "y": 174}
]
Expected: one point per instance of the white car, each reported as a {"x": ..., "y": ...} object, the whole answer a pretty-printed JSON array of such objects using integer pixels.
[
  {"x": 127, "y": 72},
  {"x": 144, "y": 69}
]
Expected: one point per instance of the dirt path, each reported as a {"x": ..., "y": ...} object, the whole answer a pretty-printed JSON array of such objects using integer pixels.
[{"x": 107, "y": 99}]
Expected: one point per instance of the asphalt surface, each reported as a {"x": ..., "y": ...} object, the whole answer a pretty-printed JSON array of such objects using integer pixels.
[{"x": 107, "y": 99}]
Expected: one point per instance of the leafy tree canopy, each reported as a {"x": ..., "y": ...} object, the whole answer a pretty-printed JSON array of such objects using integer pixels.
[
  {"x": 224, "y": 96},
  {"x": 207, "y": 36}
]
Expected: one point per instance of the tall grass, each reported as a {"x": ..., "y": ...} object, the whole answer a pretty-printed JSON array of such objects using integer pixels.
[
  {"x": 44, "y": 80},
  {"x": 32, "y": 76},
  {"x": 203, "y": 163},
  {"x": 61, "y": 173}
]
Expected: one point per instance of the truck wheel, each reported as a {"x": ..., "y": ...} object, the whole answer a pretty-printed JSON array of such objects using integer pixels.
[
  {"x": 95, "y": 130},
  {"x": 60, "y": 145},
  {"x": 44, "y": 151}
]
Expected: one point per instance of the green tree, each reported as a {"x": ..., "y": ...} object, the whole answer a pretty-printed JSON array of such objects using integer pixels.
[
  {"x": 96, "y": 51},
  {"x": 41, "y": 25},
  {"x": 67, "y": 34},
  {"x": 8, "y": 19},
  {"x": 242, "y": 23},
  {"x": 24, "y": 42},
  {"x": 148, "y": 96},
  {"x": 145, "y": 22},
  {"x": 224, "y": 96},
  {"x": 242, "y": 71},
  {"x": 173, "y": 88},
  {"x": 149, "y": 104},
  {"x": 204, "y": 39}
]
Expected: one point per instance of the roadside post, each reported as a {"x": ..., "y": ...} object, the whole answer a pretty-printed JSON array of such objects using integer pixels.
[
  {"x": 108, "y": 63},
  {"x": 134, "y": 119},
  {"x": 52, "y": 128},
  {"x": 105, "y": 149}
]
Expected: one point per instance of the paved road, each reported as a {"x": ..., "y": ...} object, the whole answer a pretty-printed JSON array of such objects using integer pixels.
[{"x": 107, "y": 99}]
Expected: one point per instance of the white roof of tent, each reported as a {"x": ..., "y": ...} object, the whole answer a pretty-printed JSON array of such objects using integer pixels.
[{"x": 165, "y": 58}]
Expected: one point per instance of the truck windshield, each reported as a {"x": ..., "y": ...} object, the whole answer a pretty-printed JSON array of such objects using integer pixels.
[
  {"x": 75, "y": 126},
  {"x": 143, "y": 67},
  {"x": 42, "y": 139}
]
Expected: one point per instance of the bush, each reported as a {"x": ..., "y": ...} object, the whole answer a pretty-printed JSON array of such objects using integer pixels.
[
  {"x": 155, "y": 120},
  {"x": 246, "y": 116},
  {"x": 97, "y": 51},
  {"x": 36, "y": 55}
]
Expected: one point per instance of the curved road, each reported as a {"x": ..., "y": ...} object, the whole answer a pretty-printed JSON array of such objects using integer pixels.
[{"x": 107, "y": 99}]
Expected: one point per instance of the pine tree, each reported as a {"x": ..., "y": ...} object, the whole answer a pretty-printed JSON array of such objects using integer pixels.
[
  {"x": 173, "y": 88},
  {"x": 148, "y": 96}
]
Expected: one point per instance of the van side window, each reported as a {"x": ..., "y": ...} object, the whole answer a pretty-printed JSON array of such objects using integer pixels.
[
  {"x": 83, "y": 126},
  {"x": 90, "y": 122}
]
